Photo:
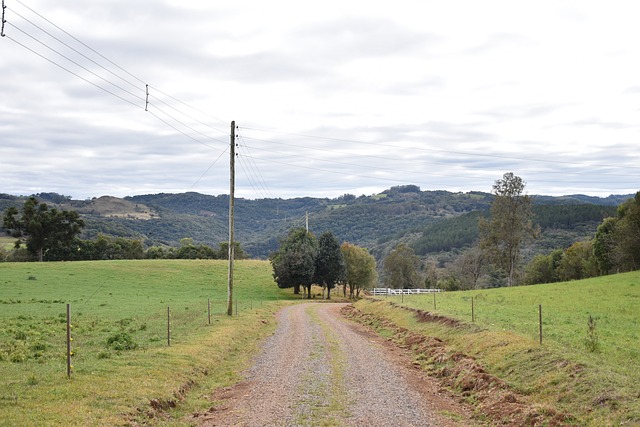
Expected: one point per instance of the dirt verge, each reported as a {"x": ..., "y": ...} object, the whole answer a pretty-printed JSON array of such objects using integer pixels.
[{"x": 462, "y": 374}]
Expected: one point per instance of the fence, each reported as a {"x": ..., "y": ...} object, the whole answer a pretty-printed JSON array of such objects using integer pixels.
[{"x": 389, "y": 291}]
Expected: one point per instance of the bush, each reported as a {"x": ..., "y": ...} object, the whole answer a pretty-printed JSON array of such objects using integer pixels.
[{"x": 121, "y": 341}]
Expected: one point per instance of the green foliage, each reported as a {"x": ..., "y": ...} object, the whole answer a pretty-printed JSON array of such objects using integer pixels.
[
  {"x": 510, "y": 225},
  {"x": 577, "y": 262},
  {"x": 591, "y": 341},
  {"x": 617, "y": 241},
  {"x": 401, "y": 269},
  {"x": 543, "y": 268},
  {"x": 360, "y": 269},
  {"x": 330, "y": 265},
  {"x": 43, "y": 229},
  {"x": 121, "y": 341},
  {"x": 294, "y": 263}
]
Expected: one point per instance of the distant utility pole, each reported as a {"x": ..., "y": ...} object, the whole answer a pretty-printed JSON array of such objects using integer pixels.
[
  {"x": 306, "y": 220},
  {"x": 232, "y": 185}
]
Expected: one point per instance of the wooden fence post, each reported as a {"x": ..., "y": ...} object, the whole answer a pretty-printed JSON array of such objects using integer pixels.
[
  {"x": 169, "y": 326},
  {"x": 68, "y": 340},
  {"x": 540, "y": 320},
  {"x": 473, "y": 314}
]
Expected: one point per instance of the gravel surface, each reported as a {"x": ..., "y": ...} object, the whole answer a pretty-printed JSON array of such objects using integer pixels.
[{"x": 320, "y": 369}]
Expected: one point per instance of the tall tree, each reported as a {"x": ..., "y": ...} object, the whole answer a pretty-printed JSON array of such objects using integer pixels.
[
  {"x": 294, "y": 262},
  {"x": 509, "y": 226},
  {"x": 401, "y": 268},
  {"x": 41, "y": 227},
  {"x": 330, "y": 266},
  {"x": 627, "y": 234},
  {"x": 360, "y": 269}
]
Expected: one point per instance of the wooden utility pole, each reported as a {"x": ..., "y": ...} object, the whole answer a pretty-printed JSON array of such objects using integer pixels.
[{"x": 232, "y": 185}]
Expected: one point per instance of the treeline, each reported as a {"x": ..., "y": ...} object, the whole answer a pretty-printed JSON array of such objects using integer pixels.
[
  {"x": 615, "y": 248},
  {"x": 462, "y": 231},
  {"x": 105, "y": 247}
]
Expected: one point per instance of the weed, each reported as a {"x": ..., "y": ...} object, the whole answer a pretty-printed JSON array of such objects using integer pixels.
[
  {"x": 20, "y": 335},
  {"x": 104, "y": 355},
  {"x": 121, "y": 341},
  {"x": 591, "y": 341}
]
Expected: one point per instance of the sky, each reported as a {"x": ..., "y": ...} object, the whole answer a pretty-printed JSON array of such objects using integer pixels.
[{"x": 328, "y": 98}]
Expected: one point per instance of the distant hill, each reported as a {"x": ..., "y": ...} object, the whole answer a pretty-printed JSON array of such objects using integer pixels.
[{"x": 429, "y": 221}]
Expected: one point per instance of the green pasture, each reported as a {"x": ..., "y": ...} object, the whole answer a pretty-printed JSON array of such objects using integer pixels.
[
  {"x": 7, "y": 242},
  {"x": 121, "y": 358},
  {"x": 604, "y": 361}
]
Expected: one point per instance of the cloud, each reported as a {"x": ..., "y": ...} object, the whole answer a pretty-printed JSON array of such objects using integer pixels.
[{"x": 358, "y": 96}]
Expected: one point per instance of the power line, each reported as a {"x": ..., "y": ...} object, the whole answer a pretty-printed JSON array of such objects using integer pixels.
[
  {"x": 186, "y": 125},
  {"x": 73, "y": 62},
  {"x": 209, "y": 168},
  {"x": 73, "y": 73},
  {"x": 75, "y": 50},
  {"x": 81, "y": 42}
]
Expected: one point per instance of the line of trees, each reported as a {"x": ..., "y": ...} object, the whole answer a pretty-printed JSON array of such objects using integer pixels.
[
  {"x": 496, "y": 258},
  {"x": 45, "y": 234},
  {"x": 302, "y": 261}
]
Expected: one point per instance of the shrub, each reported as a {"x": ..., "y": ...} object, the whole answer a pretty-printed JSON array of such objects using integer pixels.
[{"x": 121, "y": 341}]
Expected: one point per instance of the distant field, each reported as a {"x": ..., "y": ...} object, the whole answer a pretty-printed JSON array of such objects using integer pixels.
[
  {"x": 7, "y": 242},
  {"x": 119, "y": 315},
  {"x": 608, "y": 377}
]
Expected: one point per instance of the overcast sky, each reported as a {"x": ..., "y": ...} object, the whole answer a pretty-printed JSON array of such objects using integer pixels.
[{"x": 329, "y": 97}]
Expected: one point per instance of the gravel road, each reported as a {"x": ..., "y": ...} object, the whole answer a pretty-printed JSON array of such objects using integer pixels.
[{"x": 320, "y": 369}]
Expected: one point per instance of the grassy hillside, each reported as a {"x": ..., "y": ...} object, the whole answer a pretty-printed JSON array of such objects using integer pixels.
[
  {"x": 123, "y": 369},
  {"x": 598, "y": 387}
]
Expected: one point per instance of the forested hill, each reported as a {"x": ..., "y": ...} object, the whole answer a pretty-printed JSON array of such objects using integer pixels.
[{"x": 430, "y": 221}]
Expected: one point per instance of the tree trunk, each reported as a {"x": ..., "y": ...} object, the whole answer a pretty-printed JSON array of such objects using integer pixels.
[
  {"x": 40, "y": 254},
  {"x": 296, "y": 289},
  {"x": 328, "y": 292}
]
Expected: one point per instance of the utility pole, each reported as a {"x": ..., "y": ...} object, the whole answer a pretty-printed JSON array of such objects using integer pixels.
[
  {"x": 232, "y": 185},
  {"x": 306, "y": 220}
]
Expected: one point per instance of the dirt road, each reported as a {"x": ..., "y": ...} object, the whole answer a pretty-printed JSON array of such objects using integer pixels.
[{"x": 320, "y": 369}]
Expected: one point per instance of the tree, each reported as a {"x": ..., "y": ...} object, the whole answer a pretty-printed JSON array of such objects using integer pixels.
[
  {"x": 330, "y": 265},
  {"x": 543, "y": 268},
  {"x": 627, "y": 234},
  {"x": 617, "y": 242},
  {"x": 401, "y": 268},
  {"x": 578, "y": 262},
  {"x": 470, "y": 265},
  {"x": 509, "y": 226},
  {"x": 294, "y": 262},
  {"x": 604, "y": 245},
  {"x": 360, "y": 269},
  {"x": 223, "y": 251},
  {"x": 42, "y": 228}
]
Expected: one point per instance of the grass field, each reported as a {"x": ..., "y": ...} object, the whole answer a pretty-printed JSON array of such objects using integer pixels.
[
  {"x": 7, "y": 242},
  {"x": 121, "y": 359},
  {"x": 602, "y": 385}
]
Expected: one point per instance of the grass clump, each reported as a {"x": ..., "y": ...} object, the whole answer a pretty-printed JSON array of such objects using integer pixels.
[{"x": 121, "y": 341}]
